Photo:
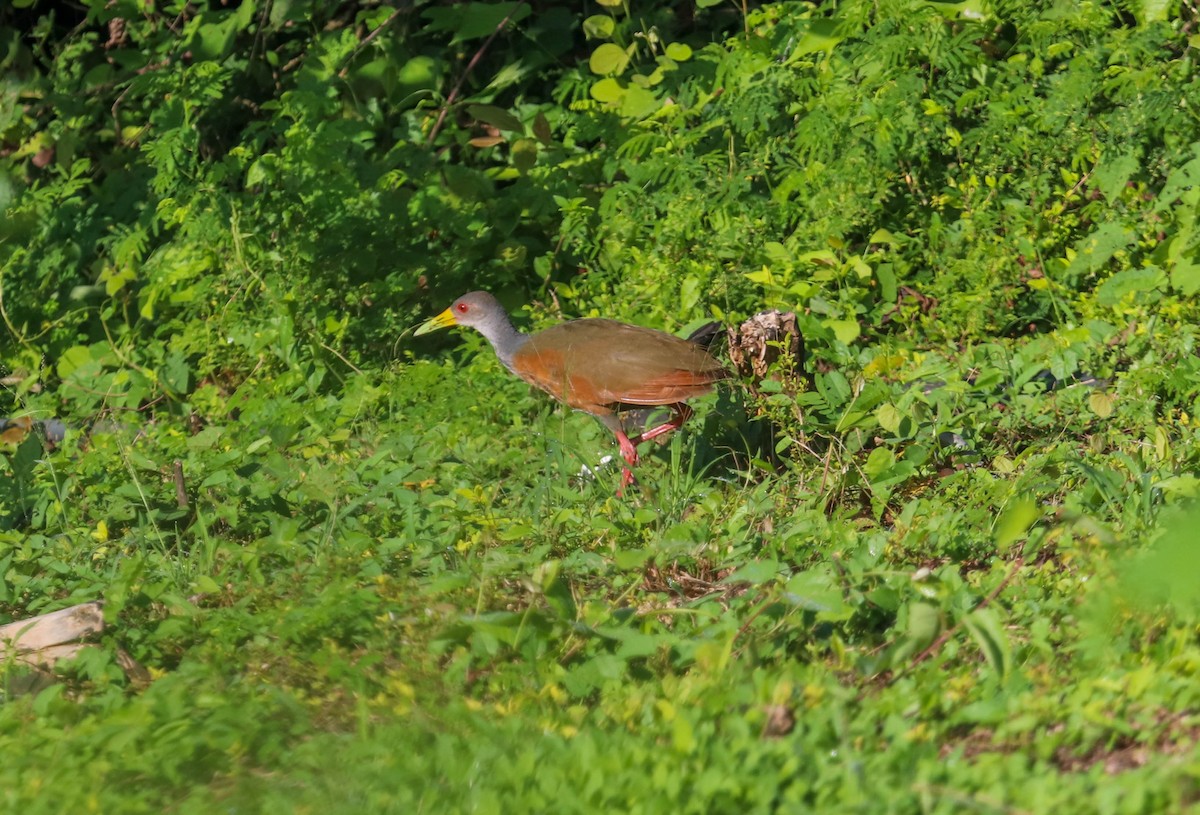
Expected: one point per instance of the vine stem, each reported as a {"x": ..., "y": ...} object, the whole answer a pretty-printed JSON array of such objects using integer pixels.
[
  {"x": 437, "y": 126},
  {"x": 367, "y": 41}
]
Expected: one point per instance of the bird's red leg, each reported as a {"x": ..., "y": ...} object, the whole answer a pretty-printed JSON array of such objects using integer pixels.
[
  {"x": 680, "y": 413},
  {"x": 629, "y": 453}
]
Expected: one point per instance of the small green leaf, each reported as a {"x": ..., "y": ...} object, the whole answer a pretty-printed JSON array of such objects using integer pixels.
[
  {"x": 678, "y": 51},
  {"x": 598, "y": 27},
  {"x": 470, "y": 21},
  {"x": 631, "y": 558},
  {"x": 1130, "y": 281},
  {"x": 1185, "y": 276},
  {"x": 879, "y": 463},
  {"x": 683, "y": 737},
  {"x": 822, "y": 35},
  {"x": 985, "y": 628},
  {"x": 497, "y": 117},
  {"x": 24, "y": 461},
  {"x": 1015, "y": 522},
  {"x": 607, "y": 90},
  {"x": 73, "y": 359},
  {"x": 418, "y": 72},
  {"x": 1101, "y": 404},
  {"x": 524, "y": 154},
  {"x": 818, "y": 590},
  {"x": 924, "y": 624},
  {"x": 1154, "y": 11},
  {"x": 608, "y": 59},
  {"x": 887, "y": 283},
  {"x": 756, "y": 572},
  {"x": 541, "y": 129},
  {"x": 689, "y": 294},
  {"x": 846, "y": 331},
  {"x": 206, "y": 585},
  {"x": 637, "y": 103},
  {"x": 175, "y": 373},
  {"x": 889, "y": 417}
]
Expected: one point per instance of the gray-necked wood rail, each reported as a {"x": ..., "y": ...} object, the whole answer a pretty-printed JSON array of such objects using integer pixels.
[{"x": 598, "y": 366}]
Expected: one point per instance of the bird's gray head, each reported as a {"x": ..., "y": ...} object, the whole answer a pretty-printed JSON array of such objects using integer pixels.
[{"x": 477, "y": 309}]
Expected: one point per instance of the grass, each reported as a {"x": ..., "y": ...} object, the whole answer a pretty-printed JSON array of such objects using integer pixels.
[
  {"x": 947, "y": 567},
  {"x": 409, "y": 614}
]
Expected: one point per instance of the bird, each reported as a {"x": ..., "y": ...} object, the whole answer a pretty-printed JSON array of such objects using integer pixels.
[
  {"x": 595, "y": 365},
  {"x": 14, "y": 430}
]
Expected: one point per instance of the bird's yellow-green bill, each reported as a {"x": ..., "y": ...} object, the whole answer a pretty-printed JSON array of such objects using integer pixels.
[{"x": 443, "y": 320}]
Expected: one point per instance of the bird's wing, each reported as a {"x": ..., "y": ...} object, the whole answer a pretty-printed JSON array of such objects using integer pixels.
[{"x": 604, "y": 362}]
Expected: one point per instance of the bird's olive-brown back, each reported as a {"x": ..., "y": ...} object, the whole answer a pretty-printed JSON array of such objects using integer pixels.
[{"x": 593, "y": 364}]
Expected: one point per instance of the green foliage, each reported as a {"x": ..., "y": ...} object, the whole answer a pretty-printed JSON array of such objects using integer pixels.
[{"x": 948, "y": 570}]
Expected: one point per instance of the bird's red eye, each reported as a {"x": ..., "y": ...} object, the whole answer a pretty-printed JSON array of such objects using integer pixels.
[{"x": 462, "y": 308}]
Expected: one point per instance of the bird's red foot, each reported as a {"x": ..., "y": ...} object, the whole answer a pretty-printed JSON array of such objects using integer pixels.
[{"x": 629, "y": 453}]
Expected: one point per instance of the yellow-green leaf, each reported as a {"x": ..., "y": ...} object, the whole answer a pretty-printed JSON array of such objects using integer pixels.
[
  {"x": 608, "y": 59},
  {"x": 607, "y": 91},
  {"x": 598, "y": 27},
  {"x": 678, "y": 51},
  {"x": 889, "y": 417},
  {"x": 1015, "y": 522},
  {"x": 845, "y": 330},
  {"x": 1101, "y": 404}
]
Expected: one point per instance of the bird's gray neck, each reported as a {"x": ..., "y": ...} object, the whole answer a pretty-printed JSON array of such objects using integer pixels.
[{"x": 505, "y": 339}]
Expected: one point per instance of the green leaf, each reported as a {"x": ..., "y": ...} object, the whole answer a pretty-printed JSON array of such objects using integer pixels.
[
  {"x": 598, "y": 27},
  {"x": 818, "y": 590},
  {"x": 607, "y": 90},
  {"x": 1154, "y": 11},
  {"x": 524, "y": 154},
  {"x": 213, "y": 40},
  {"x": 206, "y": 585},
  {"x": 25, "y": 460},
  {"x": 924, "y": 624},
  {"x": 1015, "y": 522},
  {"x": 418, "y": 72},
  {"x": 175, "y": 373},
  {"x": 879, "y": 463},
  {"x": 1101, "y": 404},
  {"x": 72, "y": 359},
  {"x": 889, "y": 417},
  {"x": 608, "y": 59},
  {"x": 1185, "y": 276},
  {"x": 846, "y": 331},
  {"x": 1096, "y": 249},
  {"x": 1112, "y": 176},
  {"x": 756, "y": 572},
  {"x": 496, "y": 117},
  {"x": 541, "y": 129},
  {"x": 471, "y": 21},
  {"x": 638, "y": 103},
  {"x": 822, "y": 35},
  {"x": 1131, "y": 281},
  {"x": 887, "y": 283},
  {"x": 985, "y": 628},
  {"x": 678, "y": 51}
]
